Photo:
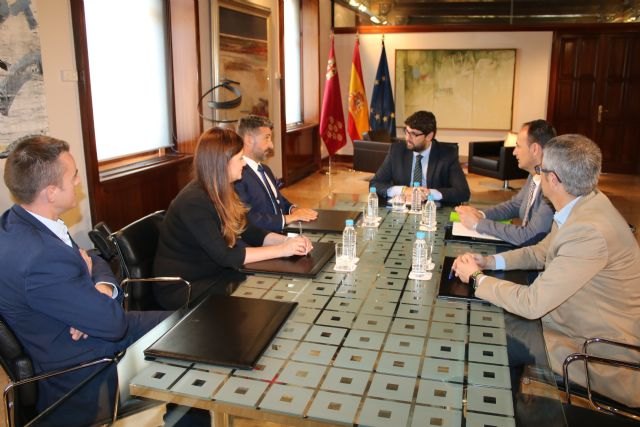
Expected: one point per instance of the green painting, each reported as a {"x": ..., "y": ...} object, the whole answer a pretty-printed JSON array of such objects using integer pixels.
[{"x": 465, "y": 89}]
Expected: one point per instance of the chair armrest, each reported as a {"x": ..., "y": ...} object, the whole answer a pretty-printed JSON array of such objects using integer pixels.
[
  {"x": 124, "y": 284},
  {"x": 603, "y": 361},
  {"x": 596, "y": 340},
  {"x": 8, "y": 403}
]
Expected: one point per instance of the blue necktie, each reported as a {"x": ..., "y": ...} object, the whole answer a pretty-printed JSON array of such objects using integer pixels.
[
  {"x": 417, "y": 171},
  {"x": 274, "y": 200}
]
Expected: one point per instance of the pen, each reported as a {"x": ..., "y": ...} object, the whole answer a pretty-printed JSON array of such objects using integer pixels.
[{"x": 451, "y": 273}]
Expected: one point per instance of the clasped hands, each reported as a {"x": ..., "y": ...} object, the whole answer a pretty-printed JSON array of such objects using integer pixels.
[
  {"x": 469, "y": 216},
  {"x": 407, "y": 192},
  {"x": 301, "y": 214},
  {"x": 467, "y": 264},
  {"x": 298, "y": 245}
]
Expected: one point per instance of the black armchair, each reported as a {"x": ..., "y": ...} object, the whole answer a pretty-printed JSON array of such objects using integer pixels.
[
  {"x": 493, "y": 159},
  {"x": 136, "y": 246},
  {"x": 369, "y": 155},
  {"x": 21, "y": 394}
]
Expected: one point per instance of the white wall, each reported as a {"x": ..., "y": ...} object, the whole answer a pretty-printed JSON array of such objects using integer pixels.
[
  {"x": 533, "y": 58},
  {"x": 63, "y": 110}
]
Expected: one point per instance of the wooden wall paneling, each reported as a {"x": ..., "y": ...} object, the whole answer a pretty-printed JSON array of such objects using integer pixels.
[{"x": 302, "y": 150}]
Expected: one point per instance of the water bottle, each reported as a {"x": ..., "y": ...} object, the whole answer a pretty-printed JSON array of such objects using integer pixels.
[
  {"x": 419, "y": 259},
  {"x": 415, "y": 197},
  {"x": 429, "y": 214},
  {"x": 372, "y": 207},
  {"x": 349, "y": 240}
]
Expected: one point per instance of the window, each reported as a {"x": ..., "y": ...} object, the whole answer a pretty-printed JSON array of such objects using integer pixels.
[
  {"x": 292, "y": 62},
  {"x": 130, "y": 74}
]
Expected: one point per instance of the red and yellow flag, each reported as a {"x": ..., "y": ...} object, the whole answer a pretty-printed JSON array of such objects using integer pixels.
[
  {"x": 358, "y": 106},
  {"x": 332, "y": 128}
]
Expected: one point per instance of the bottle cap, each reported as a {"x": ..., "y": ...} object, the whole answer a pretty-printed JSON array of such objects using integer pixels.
[
  {"x": 420, "y": 235},
  {"x": 430, "y": 196},
  {"x": 416, "y": 184},
  {"x": 372, "y": 190},
  {"x": 349, "y": 222}
]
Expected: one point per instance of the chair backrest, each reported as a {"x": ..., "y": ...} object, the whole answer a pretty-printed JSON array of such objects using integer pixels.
[
  {"x": 380, "y": 135},
  {"x": 18, "y": 366},
  {"x": 136, "y": 245}
]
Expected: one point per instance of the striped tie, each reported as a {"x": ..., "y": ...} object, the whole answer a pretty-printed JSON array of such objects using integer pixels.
[
  {"x": 532, "y": 191},
  {"x": 417, "y": 171}
]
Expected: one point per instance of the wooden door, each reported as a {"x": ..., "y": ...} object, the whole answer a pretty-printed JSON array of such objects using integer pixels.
[{"x": 595, "y": 91}]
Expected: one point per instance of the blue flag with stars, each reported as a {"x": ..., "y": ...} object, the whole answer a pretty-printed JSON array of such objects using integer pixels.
[{"x": 382, "y": 114}]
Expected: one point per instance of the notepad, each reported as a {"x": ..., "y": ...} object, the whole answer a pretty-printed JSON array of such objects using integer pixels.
[
  {"x": 225, "y": 331},
  {"x": 304, "y": 266},
  {"x": 328, "y": 221}
]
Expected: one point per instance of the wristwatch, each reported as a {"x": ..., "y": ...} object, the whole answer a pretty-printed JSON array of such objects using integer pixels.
[{"x": 473, "y": 279}]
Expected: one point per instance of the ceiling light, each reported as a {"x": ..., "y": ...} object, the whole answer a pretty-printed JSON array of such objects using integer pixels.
[
  {"x": 362, "y": 8},
  {"x": 375, "y": 19},
  {"x": 354, "y": 3}
]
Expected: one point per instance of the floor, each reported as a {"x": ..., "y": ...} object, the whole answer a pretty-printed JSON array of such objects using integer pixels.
[{"x": 623, "y": 190}]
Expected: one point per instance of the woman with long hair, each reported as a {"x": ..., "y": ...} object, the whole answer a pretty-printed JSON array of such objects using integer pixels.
[{"x": 205, "y": 234}]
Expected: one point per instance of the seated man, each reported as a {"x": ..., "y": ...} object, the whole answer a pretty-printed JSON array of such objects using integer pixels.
[
  {"x": 257, "y": 189},
  {"x": 528, "y": 205},
  {"x": 590, "y": 286},
  {"x": 61, "y": 303},
  {"x": 436, "y": 166}
]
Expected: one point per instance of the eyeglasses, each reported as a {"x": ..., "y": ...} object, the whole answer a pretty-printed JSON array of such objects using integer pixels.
[
  {"x": 539, "y": 169},
  {"x": 414, "y": 133}
]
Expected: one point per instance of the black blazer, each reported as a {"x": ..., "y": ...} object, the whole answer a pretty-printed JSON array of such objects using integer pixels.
[
  {"x": 254, "y": 195},
  {"x": 191, "y": 244},
  {"x": 443, "y": 172}
]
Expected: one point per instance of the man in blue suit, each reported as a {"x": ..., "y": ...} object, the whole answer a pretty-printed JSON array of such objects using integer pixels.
[
  {"x": 62, "y": 303},
  {"x": 422, "y": 159},
  {"x": 258, "y": 189}
]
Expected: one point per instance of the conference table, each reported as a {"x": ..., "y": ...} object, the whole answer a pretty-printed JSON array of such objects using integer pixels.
[{"x": 371, "y": 347}]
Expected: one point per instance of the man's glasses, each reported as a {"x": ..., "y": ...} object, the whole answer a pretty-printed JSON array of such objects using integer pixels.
[
  {"x": 413, "y": 133},
  {"x": 539, "y": 169}
]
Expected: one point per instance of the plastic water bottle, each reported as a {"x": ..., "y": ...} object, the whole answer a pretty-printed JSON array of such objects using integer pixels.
[
  {"x": 349, "y": 240},
  {"x": 429, "y": 214},
  {"x": 415, "y": 197},
  {"x": 372, "y": 207},
  {"x": 419, "y": 259}
]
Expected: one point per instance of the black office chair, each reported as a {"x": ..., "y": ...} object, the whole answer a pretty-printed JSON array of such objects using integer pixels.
[
  {"x": 136, "y": 246},
  {"x": 21, "y": 394},
  {"x": 617, "y": 413},
  {"x": 100, "y": 237},
  {"x": 493, "y": 159}
]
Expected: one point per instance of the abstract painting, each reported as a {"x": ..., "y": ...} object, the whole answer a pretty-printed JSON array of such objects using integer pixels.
[
  {"x": 465, "y": 89},
  {"x": 22, "y": 98}
]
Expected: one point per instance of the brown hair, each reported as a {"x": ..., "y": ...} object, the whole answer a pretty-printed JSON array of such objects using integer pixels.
[
  {"x": 33, "y": 165},
  {"x": 216, "y": 147}
]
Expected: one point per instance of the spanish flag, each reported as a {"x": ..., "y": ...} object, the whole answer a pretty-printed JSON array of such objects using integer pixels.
[
  {"x": 332, "y": 115},
  {"x": 358, "y": 122}
]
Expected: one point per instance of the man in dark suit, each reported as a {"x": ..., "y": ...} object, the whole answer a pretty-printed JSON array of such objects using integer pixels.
[
  {"x": 436, "y": 166},
  {"x": 258, "y": 189},
  {"x": 61, "y": 302}
]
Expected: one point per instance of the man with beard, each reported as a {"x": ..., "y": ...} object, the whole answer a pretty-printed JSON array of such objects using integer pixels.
[
  {"x": 425, "y": 160},
  {"x": 257, "y": 189}
]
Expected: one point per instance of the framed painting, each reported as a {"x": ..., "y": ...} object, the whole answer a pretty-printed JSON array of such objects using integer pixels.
[
  {"x": 241, "y": 54},
  {"x": 465, "y": 89}
]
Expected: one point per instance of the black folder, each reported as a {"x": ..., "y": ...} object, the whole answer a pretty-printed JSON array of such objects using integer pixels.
[
  {"x": 455, "y": 289},
  {"x": 303, "y": 266},
  {"x": 224, "y": 330},
  {"x": 328, "y": 221}
]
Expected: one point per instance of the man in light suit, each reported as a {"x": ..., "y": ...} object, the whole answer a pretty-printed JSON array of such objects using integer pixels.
[
  {"x": 61, "y": 302},
  {"x": 590, "y": 286},
  {"x": 258, "y": 189},
  {"x": 423, "y": 159},
  {"x": 534, "y": 211}
]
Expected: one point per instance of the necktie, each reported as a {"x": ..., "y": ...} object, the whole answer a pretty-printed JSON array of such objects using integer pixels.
[
  {"x": 274, "y": 201},
  {"x": 417, "y": 170},
  {"x": 532, "y": 191}
]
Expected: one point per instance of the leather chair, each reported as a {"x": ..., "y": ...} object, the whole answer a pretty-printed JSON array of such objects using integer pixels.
[
  {"x": 100, "y": 237},
  {"x": 136, "y": 246},
  {"x": 607, "y": 412},
  {"x": 369, "y": 155},
  {"x": 21, "y": 394},
  {"x": 493, "y": 159}
]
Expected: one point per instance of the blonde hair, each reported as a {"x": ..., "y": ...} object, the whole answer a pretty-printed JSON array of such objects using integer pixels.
[{"x": 215, "y": 149}]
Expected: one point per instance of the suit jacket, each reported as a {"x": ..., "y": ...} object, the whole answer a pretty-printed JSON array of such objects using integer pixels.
[
  {"x": 443, "y": 172},
  {"x": 590, "y": 287},
  {"x": 254, "y": 195},
  {"x": 191, "y": 244},
  {"x": 539, "y": 221},
  {"x": 46, "y": 288}
]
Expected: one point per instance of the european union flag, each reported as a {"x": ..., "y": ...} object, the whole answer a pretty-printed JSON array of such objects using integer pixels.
[{"x": 382, "y": 114}]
